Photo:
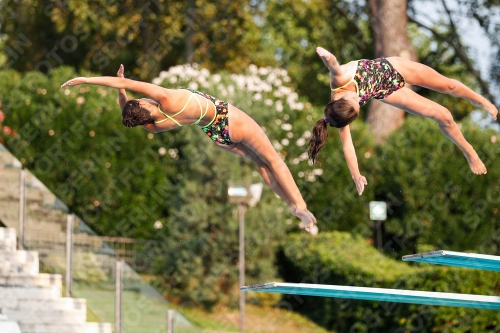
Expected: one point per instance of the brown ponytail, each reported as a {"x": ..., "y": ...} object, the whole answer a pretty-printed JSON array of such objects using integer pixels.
[
  {"x": 338, "y": 113},
  {"x": 318, "y": 139}
]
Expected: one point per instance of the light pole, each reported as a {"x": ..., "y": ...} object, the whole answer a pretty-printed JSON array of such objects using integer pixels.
[
  {"x": 22, "y": 208},
  {"x": 118, "y": 296},
  {"x": 243, "y": 194},
  {"x": 241, "y": 216},
  {"x": 378, "y": 213}
]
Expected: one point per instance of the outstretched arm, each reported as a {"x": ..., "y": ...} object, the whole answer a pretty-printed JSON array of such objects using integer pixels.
[
  {"x": 122, "y": 94},
  {"x": 330, "y": 62},
  {"x": 155, "y": 92},
  {"x": 350, "y": 157}
]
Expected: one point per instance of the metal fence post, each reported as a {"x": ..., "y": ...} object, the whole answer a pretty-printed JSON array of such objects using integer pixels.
[
  {"x": 69, "y": 252},
  {"x": 118, "y": 296},
  {"x": 22, "y": 208},
  {"x": 241, "y": 215},
  {"x": 170, "y": 321}
]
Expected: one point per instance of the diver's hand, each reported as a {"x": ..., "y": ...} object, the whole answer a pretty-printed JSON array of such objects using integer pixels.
[
  {"x": 308, "y": 221},
  {"x": 323, "y": 53},
  {"x": 74, "y": 82},
  {"x": 328, "y": 58},
  {"x": 120, "y": 72},
  {"x": 360, "y": 182}
]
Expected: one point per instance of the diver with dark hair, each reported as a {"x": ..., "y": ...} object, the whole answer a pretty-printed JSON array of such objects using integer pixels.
[
  {"x": 228, "y": 127},
  {"x": 354, "y": 83}
]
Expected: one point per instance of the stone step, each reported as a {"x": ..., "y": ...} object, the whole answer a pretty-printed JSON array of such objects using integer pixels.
[
  {"x": 7, "y": 239},
  {"x": 19, "y": 258},
  {"x": 9, "y": 294},
  {"x": 8, "y": 326},
  {"x": 19, "y": 262},
  {"x": 9, "y": 182},
  {"x": 49, "y": 304},
  {"x": 58, "y": 239},
  {"x": 43, "y": 226},
  {"x": 66, "y": 328},
  {"x": 40, "y": 280},
  {"x": 9, "y": 213},
  {"x": 9, "y": 189},
  {"x": 34, "y": 210},
  {"x": 6, "y": 158},
  {"x": 44, "y": 316}
]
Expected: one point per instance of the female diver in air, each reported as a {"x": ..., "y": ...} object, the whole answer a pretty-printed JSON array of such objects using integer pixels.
[
  {"x": 355, "y": 82},
  {"x": 228, "y": 127}
]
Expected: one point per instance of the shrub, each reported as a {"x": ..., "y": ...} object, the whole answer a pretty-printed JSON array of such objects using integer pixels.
[{"x": 343, "y": 259}]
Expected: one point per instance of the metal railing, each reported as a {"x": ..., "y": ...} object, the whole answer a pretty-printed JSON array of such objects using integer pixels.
[{"x": 68, "y": 246}]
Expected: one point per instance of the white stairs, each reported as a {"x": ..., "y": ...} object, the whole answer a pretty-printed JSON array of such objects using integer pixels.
[{"x": 33, "y": 300}]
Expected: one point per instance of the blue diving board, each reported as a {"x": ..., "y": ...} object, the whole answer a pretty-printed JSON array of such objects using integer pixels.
[
  {"x": 460, "y": 259},
  {"x": 380, "y": 294}
]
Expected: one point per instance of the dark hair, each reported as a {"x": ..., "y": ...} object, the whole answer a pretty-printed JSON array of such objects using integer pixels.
[
  {"x": 338, "y": 113},
  {"x": 134, "y": 115}
]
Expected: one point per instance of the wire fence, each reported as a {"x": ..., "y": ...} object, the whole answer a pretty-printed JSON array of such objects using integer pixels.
[{"x": 93, "y": 257}]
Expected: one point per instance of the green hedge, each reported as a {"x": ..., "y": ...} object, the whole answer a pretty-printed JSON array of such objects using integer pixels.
[
  {"x": 342, "y": 259},
  {"x": 121, "y": 181}
]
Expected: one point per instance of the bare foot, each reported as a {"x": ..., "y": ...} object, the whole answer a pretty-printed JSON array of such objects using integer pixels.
[
  {"x": 476, "y": 165},
  {"x": 488, "y": 106},
  {"x": 492, "y": 110}
]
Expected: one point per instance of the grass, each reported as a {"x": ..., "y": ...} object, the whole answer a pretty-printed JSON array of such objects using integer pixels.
[
  {"x": 141, "y": 313},
  {"x": 258, "y": 319},
  {"x": 144, "y": 314},
  {"x": 91, "y": 316}
]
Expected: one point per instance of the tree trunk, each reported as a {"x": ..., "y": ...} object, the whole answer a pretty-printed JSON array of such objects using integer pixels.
[
  {"x": 190, "y": 30},
  {"x": 389, "y": 21}
]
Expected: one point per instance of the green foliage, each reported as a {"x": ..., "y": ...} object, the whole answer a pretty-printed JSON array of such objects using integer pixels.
[
  {"x": 122, "y": 180},
  {"x": 71, "y": 141},
  {"x": 343, "y": 259},
  {"x": 328, "y": 187},
  {"x": 86, "y": 267},
  {"x": 444, "y": 60},
  {"x": 144, "y": 36},
  {"x": 204, "y": 229},
  {"x": 433, "y": 196},
  {"x": 220, "y": 35},
  {"x": 341, "y": 254},
  {"x": 295, "y": 28}
]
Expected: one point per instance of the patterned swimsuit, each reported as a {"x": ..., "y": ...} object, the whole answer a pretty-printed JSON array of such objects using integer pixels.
[
  {"x": 375, "y": 79},
  {"x": 218, "y": 129}
]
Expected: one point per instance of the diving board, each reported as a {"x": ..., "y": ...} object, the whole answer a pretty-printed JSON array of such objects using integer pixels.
[
  {"x": 380, "y": 294},
  {"x": 459, "y": 259}
]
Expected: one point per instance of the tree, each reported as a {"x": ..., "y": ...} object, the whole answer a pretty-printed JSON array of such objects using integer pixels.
[
  {"x": 484, "y": 15},
  {"x": 145, "y": 36},
  {"x": 389, "y": 22},
  {"x": 293, "y": 29}
]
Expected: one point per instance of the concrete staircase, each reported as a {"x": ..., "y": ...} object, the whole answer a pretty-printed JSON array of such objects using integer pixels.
[
  {"x": 45, "y": 225},
  {"x": 8, "y": 326},
  {"x": 34, "y": 300}
]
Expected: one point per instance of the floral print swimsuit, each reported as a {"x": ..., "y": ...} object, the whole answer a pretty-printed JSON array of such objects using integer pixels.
[
  {"x": 218, "y": 128},
  {"x": 375, "y": 79}
]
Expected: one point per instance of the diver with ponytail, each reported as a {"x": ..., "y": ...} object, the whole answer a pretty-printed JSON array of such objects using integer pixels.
[
  {"x": 339, "y": 114},
  {"x": 355, "y": 83}
]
